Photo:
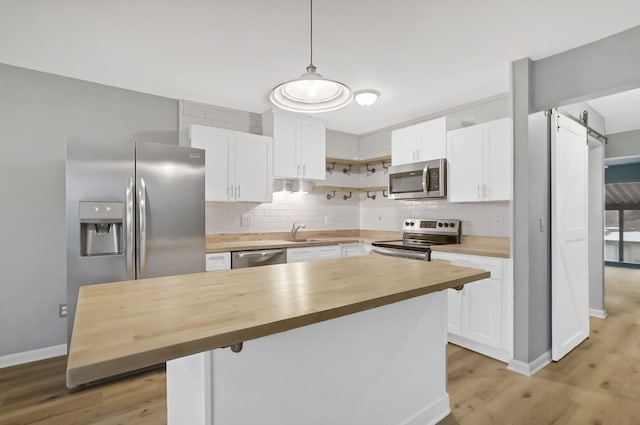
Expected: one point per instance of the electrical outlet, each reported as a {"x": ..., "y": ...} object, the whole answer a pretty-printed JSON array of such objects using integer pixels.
[
  {"x": 328, "y": 219},
  {"x": 246, "y": 220},
  {"x": 62, "y": 311},
  {"x": 498, "y": 224}
]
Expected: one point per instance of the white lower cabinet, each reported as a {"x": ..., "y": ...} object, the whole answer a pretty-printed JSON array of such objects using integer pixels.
[
  {"x": 218, "y": 261},
  {"x": 311, "y": 253},
  {"x": 355, "y": 249},
  {"x": 480, "y": 316}
]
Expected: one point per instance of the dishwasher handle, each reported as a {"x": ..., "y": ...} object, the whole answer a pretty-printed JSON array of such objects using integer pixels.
[{"x": 260, "y": 254}]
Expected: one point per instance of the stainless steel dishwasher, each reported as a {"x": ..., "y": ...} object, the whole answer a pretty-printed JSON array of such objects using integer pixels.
[{"x": 242, "y": 259}]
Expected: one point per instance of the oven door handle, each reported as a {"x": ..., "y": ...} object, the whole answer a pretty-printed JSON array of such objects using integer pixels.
[{"x": 401, "y": 253}]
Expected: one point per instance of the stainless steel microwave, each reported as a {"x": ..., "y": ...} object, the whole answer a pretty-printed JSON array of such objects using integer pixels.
[{"x": 426, "y": 179}]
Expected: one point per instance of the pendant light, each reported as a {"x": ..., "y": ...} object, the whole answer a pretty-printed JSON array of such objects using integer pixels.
[{"x": 311, "y": 92}]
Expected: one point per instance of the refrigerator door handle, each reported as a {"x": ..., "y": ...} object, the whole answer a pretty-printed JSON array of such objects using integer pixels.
[
  {"x": 142, "y": 223},
  {"x": 130, "y": 230}
]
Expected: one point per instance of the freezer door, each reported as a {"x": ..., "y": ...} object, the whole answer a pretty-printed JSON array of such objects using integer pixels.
[
  {"x": 99, "y": 214},
  {"x": 170, "y": 210}
]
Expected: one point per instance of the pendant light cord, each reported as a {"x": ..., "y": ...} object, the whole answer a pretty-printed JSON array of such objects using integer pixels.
[{"x": 311, "y": 33}]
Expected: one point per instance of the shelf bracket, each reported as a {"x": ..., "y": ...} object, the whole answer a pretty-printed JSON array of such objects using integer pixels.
[
  {"x": 236, "y": 348},
  {"x": 346, "y": 170},
  {"x": 384, "y": 193},
  {"x": 345, "y": 196},
  {"x": 331, "y": 195},
  {"x": 330, "y": 169},
  {"x": 371, "y": 196},
  {"x": 386, "y": 167},
  {"x": 370, "y": 170}
]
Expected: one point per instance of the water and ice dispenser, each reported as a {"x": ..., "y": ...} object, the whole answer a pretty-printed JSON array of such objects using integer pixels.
[{"x": 101, "y": 228}]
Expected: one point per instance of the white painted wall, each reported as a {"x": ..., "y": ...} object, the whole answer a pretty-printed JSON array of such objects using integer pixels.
[{"x": 623, "y": 144}]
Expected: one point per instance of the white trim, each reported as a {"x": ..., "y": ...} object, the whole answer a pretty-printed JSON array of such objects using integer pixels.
[
  {"x": 33, "y": 355},
  {"x": 528, "y": 369},
  {"x": 600, "y": 314},
  {"x": 438, "y": 410}
]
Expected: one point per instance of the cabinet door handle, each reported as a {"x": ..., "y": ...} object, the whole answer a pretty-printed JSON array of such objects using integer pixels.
[
  {"x": 298, "y": 171},
  {"x": 238, "y": 192},
  {"x": 230, "y": 192},
  {"x": 479, "y": 192},
  {"x": 304, "y": 170},
  {"x": 485, "y": 191}
]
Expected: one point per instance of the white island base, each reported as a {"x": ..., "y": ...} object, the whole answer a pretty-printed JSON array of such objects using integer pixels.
[{"x": 385, "y": 366}]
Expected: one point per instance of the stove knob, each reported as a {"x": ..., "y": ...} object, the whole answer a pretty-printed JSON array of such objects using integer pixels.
[
  {"x": 439, "y": 224},
  {"x": 406, "y": 223},
  {"x": 452, "y": 224},
  {"x": 446, "y": 224}
]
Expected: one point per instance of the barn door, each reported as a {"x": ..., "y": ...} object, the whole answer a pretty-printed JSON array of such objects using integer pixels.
[{"x": 569, "y": 235}]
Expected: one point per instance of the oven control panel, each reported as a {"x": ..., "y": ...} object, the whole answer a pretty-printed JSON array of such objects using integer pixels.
[{"x": 419, "y": 225}]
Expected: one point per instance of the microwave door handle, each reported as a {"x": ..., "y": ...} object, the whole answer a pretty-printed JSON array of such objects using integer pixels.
[{"x": 425, "y": 180}]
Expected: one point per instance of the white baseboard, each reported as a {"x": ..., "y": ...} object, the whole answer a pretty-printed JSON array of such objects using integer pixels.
[
  {"x": 600, "y": 314},
  {"x": 528, "y": 369},
  {"x": 33, "y": 355},
  {"x": 478, "y": 347},
  {"x": 432, "y": 414}
]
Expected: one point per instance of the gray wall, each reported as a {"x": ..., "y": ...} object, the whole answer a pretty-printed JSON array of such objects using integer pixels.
[
  {"x": 606, "y": 66},
  {"x": 596, "y": 226},
  {"x": 623, "y": 144},
  {"x": 36, "y": 111},
  {"x": 532, "y": 310},
  {"x": 603, "y": 67}
]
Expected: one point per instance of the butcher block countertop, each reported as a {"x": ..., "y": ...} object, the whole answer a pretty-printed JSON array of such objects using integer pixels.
[
  {"x": 488, "y": 246},
  {"x": 478, "y": 245},
  {"x": 124, "y": 326},
  {"x": 214, "y": 247}
]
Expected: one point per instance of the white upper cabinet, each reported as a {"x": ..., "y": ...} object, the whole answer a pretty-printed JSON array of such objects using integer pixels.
[
  {"x": 464, "y": 164},
  {"x": 299, "y": 145},
  {"x": 313, "y": 147},
  {"x": 238, "y": 165},
  {"x": 420, "y": 142},
  {"x": 479, "y": 162},
  {"x": 498, "y": 159}
]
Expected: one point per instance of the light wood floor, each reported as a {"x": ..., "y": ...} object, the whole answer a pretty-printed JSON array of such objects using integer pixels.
[{"x": 596, "y": 384}]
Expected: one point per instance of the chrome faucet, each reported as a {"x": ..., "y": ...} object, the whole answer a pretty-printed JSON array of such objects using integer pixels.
[{"x": 294, "y": 230}]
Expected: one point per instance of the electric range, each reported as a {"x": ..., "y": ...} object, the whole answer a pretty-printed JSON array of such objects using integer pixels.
[{"x": 418, "y": 237}]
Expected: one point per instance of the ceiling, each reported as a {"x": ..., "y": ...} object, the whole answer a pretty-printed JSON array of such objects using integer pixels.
[
  {"x": 424, "y": 56},
  {"x": 622, "y": 193},
  {"x": 621, "y": 111}
]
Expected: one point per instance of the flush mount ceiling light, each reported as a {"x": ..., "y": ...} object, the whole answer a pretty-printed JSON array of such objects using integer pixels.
[
  {"x": 366, "y": 97},
  {"x": 311, "y": 92}
]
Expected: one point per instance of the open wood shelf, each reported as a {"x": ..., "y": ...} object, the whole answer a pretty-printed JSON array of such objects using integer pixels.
[
  {"x": 368, "y": 161},
  {"x": 349, "y": 189}
]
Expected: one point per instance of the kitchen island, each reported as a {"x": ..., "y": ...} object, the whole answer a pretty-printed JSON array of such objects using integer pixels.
[{"x": 357, "y": 340}]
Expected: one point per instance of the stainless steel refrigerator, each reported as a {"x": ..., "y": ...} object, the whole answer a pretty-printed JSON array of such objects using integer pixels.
[{"x": 134, "y": 211}]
